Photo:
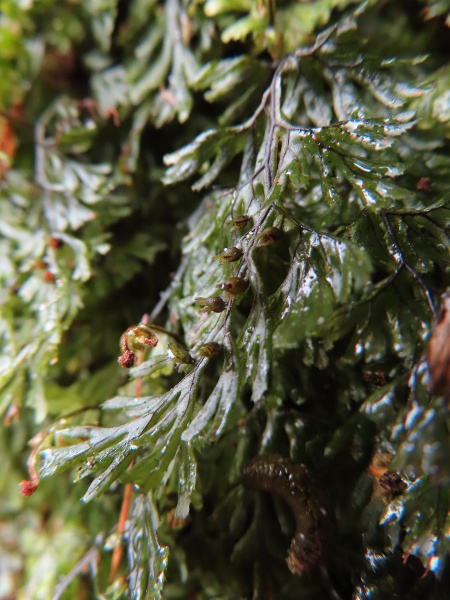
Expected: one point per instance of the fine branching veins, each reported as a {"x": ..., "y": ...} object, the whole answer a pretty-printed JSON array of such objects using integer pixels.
[{"x": 326, "y": 253}]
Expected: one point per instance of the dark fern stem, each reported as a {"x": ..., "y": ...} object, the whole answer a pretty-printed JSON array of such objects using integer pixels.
[{"x": 314, "y": 524}]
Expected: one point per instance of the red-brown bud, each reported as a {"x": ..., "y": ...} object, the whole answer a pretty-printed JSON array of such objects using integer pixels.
[
  {"x": 126, "y": 360},
  {"x": 27, "y": 488},
  {"x": 55, "y": 243}
]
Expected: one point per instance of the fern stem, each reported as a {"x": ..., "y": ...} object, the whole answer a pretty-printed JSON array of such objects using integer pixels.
[{"x": 124, "y": 510}]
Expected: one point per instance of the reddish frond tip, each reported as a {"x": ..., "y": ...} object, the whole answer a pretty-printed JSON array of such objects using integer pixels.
[
  {"x": 55, "y": 243},
  {"x": 112, "y": 113},
  {"x": 27, "y": 488},
  {"x": 49, "y": 277},
  {"x": 151, "y": 341},
  {"x": 126, "y": 360},
  {"x": 12, "y": 414}
]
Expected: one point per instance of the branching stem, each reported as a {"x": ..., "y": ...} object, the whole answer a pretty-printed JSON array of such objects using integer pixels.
[{"x": 125, "y": 508}]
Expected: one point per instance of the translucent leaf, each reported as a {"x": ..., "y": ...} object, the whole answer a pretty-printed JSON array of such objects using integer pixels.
[
  {"x": 187, "y": 479},
  {"x": 211, "y": 419},
  {"x": 324, "y": 273},
  {"x": 222, "y": 145},
  {"x": 110, "y": 88},
  {"x": 243, "y": 27},
  {"x": 150, "y": 366},
  {"x": 103, "y": 15},
  {"x": 257, "y": 340},
  {"x": 164, "y": 61},
  {"x": 338, "y": 306},
  {"x": 216, "y": 7},
  {"x": 146, "y": 557},
  {"x": 82, "y": 270},
  {"x": 282, "y": 150}
]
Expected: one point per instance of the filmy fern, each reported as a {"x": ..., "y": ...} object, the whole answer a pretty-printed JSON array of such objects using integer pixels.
[{"x": 298, "y": 319}]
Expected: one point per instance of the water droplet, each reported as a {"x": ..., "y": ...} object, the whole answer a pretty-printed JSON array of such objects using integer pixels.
[
  {"x": 362, "y": 167},
  {"x": 412, "y": 415},
  {"x": 434, "y": 564},
  {"x": 375, "y": 560},
  {"x": 394, "y": 512},
  {"x": 393, "y": 172}
]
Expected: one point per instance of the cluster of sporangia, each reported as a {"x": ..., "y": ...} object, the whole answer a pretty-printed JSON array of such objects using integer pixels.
[
  {"x": 276, "y": 474},
  {"x": 140, "y": 337},
  {"x": 236, "y": 285}
]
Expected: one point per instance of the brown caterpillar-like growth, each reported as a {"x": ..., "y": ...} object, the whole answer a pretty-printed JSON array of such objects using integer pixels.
[{"x": 295, "y": 484}]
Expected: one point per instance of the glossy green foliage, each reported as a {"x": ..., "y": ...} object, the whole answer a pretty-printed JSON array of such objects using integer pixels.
[
  {"x": 147, "y": 559},
  {"x": 436, "y": 8},
  {"x": 284, "y": 175}
]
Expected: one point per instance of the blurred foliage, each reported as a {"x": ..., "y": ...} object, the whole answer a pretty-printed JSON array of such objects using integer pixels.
[{"x": 281, "y": 171}]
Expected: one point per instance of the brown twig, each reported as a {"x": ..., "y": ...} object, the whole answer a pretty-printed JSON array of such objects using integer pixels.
[{"x": 118, "y": 550}]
